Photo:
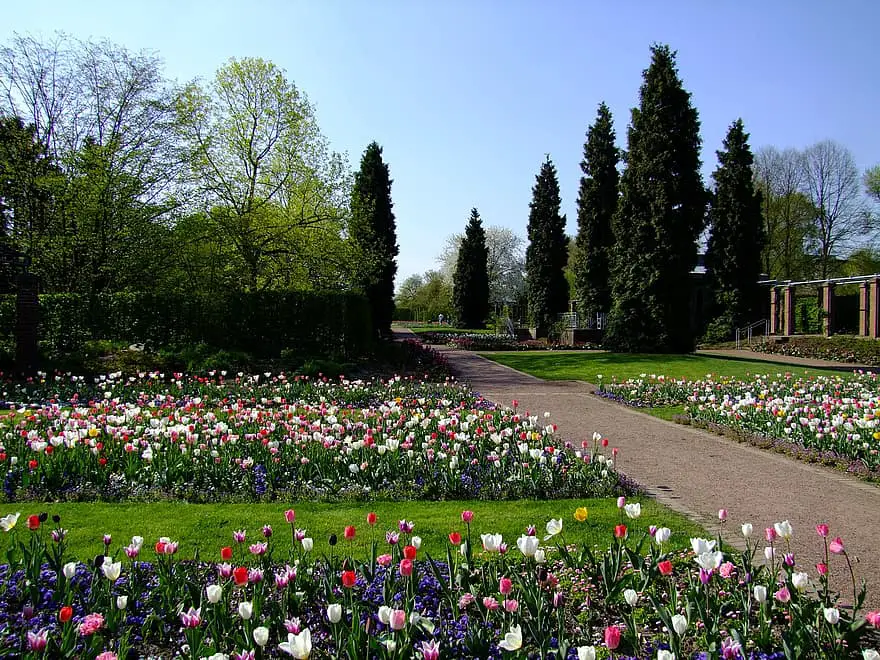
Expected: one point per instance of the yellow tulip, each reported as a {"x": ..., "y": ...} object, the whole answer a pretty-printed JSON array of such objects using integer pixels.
[{"x": 580, "y": 514}]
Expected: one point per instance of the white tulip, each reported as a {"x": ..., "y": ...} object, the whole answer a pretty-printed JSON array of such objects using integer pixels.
[
  {"x": 832, "y": 615},
  {"x": 702, "y": 546},
  {"x": 554, "y": 527},
  {"x": 800, "y": 580},
  {"x": 334, "y": 612},
  {"x": 760, "y": 593},
  {"x": 631, "y": 597},
  {"x": 662, "y": 535},
  {"x": 385, "y": 614},
  {"x": 870, "y": 654},
  {"x": 709, "y": 561},
  {"x": 245, "y": 610},
  {"x": 299, "y": 646},
  {"x": 308, "y": 544},
  {"x": 214, "y": 592},
  {"x": 679, "y": 624},
  {"x": 513, "y": 640},
  {"x": 747, "y": 530},
  {"x": 528, "y": 545},
  {"x": 69, "y": 569},
  {"x": 416, "y": 542},
  {"x": 783, "y": 529},
  {"x": 540, "y": 556},
  {"x": 586, "y": 652},
  {"x": 261, "y": 635},
  {"x": 121, "y": 602},
  {"x": 663, "y": 654},
  {"x": 633, "y": 510}
]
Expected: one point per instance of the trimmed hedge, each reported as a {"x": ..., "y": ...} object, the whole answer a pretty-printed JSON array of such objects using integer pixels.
[{"x": 323, "y": 323}]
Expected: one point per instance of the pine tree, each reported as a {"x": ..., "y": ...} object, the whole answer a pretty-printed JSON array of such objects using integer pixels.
[
  {"x": 659, "y": 217},
  {"x": 470, "y": 295},
  {"x": 547, "y": 253},
  {"x": 733, "y": 256},
  {"x": 373, "y": 233},
  {"x": 596, "y": 204}
]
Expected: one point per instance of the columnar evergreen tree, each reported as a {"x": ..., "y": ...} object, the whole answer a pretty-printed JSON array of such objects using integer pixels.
[
  {"x": 659, "y": 217},
  {"x": 733, "y": 257},
  {"x": 596, "y": 204},
  {"x": 547, "y": 253},
  {"x": 374, "y": 236},
  {"x": 470, "y": 281}
]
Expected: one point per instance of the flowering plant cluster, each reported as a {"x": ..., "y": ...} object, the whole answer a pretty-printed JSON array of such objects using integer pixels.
[
  {"x": 825, "y": 413},
  {"x": 485, "y": 342},
  {"x": 480, "y": 596},
  {"x": 270, "y": 437}
]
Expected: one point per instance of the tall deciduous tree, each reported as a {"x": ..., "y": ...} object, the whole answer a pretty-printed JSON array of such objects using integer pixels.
[
  {"x": 831, "y": 182},
  {"x": 872, "y": 182},
  {"x": 373, "y": 232},
  {"x": 659, "y": 217},
  {"x": 261, "y": 166},
  {"x": 547, "y": 253},
  {"x": 596, "y": 204},
  {"x": 733, "y": 255},
  {"x": 470, "y": 282}
]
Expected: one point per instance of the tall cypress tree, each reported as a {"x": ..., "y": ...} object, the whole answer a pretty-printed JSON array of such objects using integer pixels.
[
  {"x": 470, "y": 281},
  {"x": 373, "y": 232},
  {"x": 733, "y": 256},
  {"x": 659, "y": 217},
  {"x": 596, "y": 204},
  {"x": 547, "y": 253}
]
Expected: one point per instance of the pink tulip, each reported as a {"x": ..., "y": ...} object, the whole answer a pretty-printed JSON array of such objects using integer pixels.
[
  {"x": 467, "y": 516},
  {"x": 511, "y": 605},
  {"x": 722, "y": 514},
  {"x": 290, "y": 516},
  {"x": 398, "y": 619},
  {"x": 873, "y": 618},
  {"x": 505, "y": 586},
  {"x": 107, "y": 655},
  {"x": 783, "y": 595},
  {"x": 406, "y": 567},
  {"x": 612, "y": 637},
  {"x": 822, "y": 530},
  {"x": 430, "y": 650},
  {"x": 836, "y": 546},
  {"x": 621, "y": 502},
  {"x": 490, "y": 603},
  {"x": 37, "y": 641},
  {"x": 822, "y": 569},
  {"x": 770, "y": 534},
  {"x": 384, "y": 560}
]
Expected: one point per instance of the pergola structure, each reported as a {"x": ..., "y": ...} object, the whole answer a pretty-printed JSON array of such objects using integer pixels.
[{"x": 782, "y": 304}]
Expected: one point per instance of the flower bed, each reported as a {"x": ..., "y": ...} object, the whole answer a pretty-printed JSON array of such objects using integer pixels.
[
  {"x": 839, "y": 349},
  {"x": 270, "y": 437},
  {"x": 830, "y": 415},
  {"x": 480, "y": 596},
  {"x": 484, "y": 342}
]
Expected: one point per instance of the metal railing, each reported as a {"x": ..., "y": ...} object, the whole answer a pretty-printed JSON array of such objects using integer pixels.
[
  {"x": 595, "y": 321},
  {"x": 749, "y": 330}
]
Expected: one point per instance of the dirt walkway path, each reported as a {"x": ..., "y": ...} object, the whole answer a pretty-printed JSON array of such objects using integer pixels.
[{"x": 697, "y": 473}]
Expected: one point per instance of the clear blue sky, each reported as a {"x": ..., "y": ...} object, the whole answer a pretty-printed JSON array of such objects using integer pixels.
[{"x": 466, "y": 96}]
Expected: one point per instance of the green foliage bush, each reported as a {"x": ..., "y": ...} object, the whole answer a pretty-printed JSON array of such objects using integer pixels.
[{"x": 307, "y": 323}]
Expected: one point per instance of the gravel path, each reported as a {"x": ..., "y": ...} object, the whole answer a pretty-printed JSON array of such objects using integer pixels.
[{"x": 697, "y": 473}]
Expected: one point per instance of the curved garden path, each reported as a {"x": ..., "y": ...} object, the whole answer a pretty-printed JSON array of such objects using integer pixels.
[{"x": 697, "y": 473}]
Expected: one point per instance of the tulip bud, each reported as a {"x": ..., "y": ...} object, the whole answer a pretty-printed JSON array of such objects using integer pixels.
[
  {"x": 261, "y": 635},
  {"x": 334, "y": 612},
  {"x": 760, "y": 592},
  {"x": 245, "y": 610},
  {"x": 121, "y": 602},
  {"x": 679, "y": 624}
]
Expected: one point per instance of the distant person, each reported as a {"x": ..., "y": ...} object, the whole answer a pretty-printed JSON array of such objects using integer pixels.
[{"x": 440, "y": 319}]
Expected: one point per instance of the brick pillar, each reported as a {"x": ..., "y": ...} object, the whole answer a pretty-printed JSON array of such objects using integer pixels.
[
  {"x": 864, "y": 305},
  {"x": 788, "y": 311},
  {"x": 874, "y": 309},
  {"x": 828, "y": 309},
  {"x": 27, "y": 308},
  {"x": 774, "y": 310}
]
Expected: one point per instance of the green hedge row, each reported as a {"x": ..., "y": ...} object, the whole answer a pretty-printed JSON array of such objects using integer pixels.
[{"x": 327, "y": 323}]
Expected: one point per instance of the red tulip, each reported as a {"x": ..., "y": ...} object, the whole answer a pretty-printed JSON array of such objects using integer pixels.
[
  {"x": 33, "y": 522},
  {"x": 32, "y": 464},
  {"x": 409, "y": 552},
  {"x": 620, "y": 532},
  {"x": 240, "y": 575},
  {"x": 65, "y": 613},
  {"x": 348, "y": 579},
  {"x": 349, "y": 533},
  {"x": 454, "y": 538},
  {"x": 372, "y": 518},
  {"x": 226, "y": 553},
  {"x": 665, "y": 567}
]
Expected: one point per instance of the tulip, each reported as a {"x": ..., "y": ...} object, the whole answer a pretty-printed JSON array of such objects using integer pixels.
[
  {"x": 612, "y": 637},
  {"x": 540, "y": 556},
  {"x": 586, "y": 652},
  {"x": 406, "y": 567},
  {"x": 836, "y": 546},
  {"x": 873, "y": 618},
  {"x": 722, "y": 515},
  {"x": 800, "y": 580},
  {"x": 37, "y": 641},
  {"x": 334, "y": 612},
  {"x": 454, "y": 538},
  {"x": 770, "y": 534},
  {"x": 822, "y": 568},
  {"x": 467, "y": 516},
  {"x": 111, "y": 570},
  {"x": 580, "y": 514},
  {"x": 397, "y": 619},
  {"x": 870, "y": 654},
  {"x": 491, "y": 542},
  {"x": 290, "y": 516},
  {"x": 490, "y": 603},
  {"x": 261, "y": 635},
  {"x": 33, "y": 522},
  {"x": 349, "y": 533},
  {"x": 245, "y": 610},
  {"x": 783, "y": 595},
  {"x": 8, "y": 522},
  {"x": 65, "y": 613},
  {"x": 511, "y": 605},
  {"x": 307, "y": 545},
  {"x": 620, "y": 532},
  {"x": 822, "y": 530},
  {"x": 240, "y": 575},
  {"x": 226, "y": 553},
  {"x": 192, "y": 618},
  {"x": 121, "y": 602},
  {"x": 69, "y": 569},
  {"x": 621, "y": 502},
  {"x": 832, "y": 615},
  {"x": 631, "y": 597},
  {"x": 663, "y": 654},
  {"x": 702, "y": 546},
  {"x": 527, "y": 545},
  {"x": 430, "y": 650},
  {"x": 662, "y": 535},
  {"x": 760, "y": 593},
  {"x": 416, "y": 542},
  {"x": 679, "y": 624},
  {"x": 409, "y": 552},
  {"x": 747, "y": 530},
  {"x": 214, "y": 592},
  {"x": 783, "y": 529},
  {"x": 665, "y": 567},
  {"x": 633, "y": 511},
  {"x": 513, "y": 640},
  {"x": 299, "y": 646},
  {"x": 349, "y": 578},
  {"x": 372, "y": 518},
  {"x": 385, "y": 614}
]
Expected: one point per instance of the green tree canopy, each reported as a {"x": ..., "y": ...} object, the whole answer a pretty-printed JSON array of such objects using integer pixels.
[
  {"x": 470, "y": 282},
  {"x": 547, "y": 253},
  {"x": 373, "y": 233},
  {"x": 597, "y": 203},
  {"x": 659, "y": 217}
]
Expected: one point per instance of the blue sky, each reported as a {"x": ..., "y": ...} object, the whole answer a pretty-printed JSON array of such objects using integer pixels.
[{"x": 467, "y": 96}]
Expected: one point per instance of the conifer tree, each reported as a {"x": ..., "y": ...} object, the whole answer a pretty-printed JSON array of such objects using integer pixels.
[
  {"x": 373, "y": 233},
  {"x": 470, "y": 294},
  {"x": 596, "y": 204},
  {"x": 547, "y": 252},
  {"x": 733, "y": 256},
  {"x": 659, "y": 217}
]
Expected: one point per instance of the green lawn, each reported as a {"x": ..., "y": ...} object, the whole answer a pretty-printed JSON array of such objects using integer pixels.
[
  {"x": 588, "y": 366},
  {"x": 205, "y": 528}
]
